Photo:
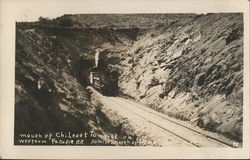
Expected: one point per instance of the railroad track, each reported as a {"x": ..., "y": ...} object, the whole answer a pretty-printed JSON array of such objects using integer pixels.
[
  {"x": 182, "y": 138},
  {"x": 179, "y": 130}
]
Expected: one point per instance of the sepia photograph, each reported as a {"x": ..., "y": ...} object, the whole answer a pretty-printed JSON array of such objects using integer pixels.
[
  {"x": 150, "y": 80},
  {"x": 130, "y": 79}
]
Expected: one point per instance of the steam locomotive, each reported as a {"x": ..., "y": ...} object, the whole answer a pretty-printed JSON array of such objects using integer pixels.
[{"x": 104, "y": 82}]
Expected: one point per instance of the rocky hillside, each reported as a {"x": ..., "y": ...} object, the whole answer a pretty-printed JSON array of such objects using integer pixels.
[
  {"x": 191, "y": 70},
  {"x": 185, "y": 65},
  {"x": 51, "y": 76}
]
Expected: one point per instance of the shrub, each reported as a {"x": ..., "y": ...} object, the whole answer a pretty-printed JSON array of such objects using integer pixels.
[
  {"x": 43, "y": 20},
  {"x": 66, "y": 22}
]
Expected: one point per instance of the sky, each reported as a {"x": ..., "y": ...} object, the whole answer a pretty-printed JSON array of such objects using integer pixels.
[{"x": 31, "y": 10}]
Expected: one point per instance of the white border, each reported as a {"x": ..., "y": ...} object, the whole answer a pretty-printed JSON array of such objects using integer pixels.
[{"x": 12, "y": 10}]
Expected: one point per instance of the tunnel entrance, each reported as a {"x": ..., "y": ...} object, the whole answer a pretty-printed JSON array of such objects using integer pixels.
[
  {"x": 104, "y": 80},
  {"x": 96, "y": 72}
]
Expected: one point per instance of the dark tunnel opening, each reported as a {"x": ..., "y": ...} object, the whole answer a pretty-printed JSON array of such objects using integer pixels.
[{"x": 105, "y": 79}]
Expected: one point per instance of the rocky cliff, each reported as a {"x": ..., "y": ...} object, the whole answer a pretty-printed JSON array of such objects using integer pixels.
[{"x": 191, "y": 70}]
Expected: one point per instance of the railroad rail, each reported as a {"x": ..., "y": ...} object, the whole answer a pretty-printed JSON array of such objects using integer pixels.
[{"x": 193, "y": 142}]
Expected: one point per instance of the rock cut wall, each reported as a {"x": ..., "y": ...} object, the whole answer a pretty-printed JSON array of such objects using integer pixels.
[{"x": 192, "y": 70}]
